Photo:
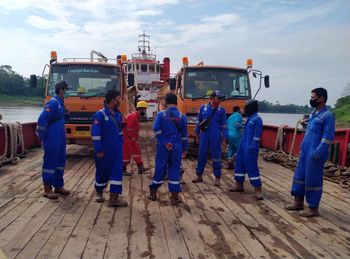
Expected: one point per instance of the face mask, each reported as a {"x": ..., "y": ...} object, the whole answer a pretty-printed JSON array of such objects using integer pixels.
[
  {"x": 313, "y": 103},
  {"x": 215, "y": 103}
]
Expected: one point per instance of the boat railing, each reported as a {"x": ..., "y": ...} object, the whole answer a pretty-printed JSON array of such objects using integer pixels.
[{"x": 143, "y": 56}]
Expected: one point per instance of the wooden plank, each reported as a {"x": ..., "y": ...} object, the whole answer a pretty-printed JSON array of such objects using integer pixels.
[
  {"x": 97, "y": 244},
  {"x": 332, "y": 236},
  {"x": 339, "y": 201},
  {"x": 17, "y": 225},
  {"x": 138, "y": 246},
  {"x": 33, "y": 247},
  {"x": 76, "y": 243},
  {"x": 339, "y": 218},
  {"x": 120, "y": 229},
  {"x": 211, "y": 202},
  {"x": 224, "y": 242},
  {"x": 155, "y": 231},
  {"x": 276, "y": 246},
  {"x": 13, "y": 213},
  {"x": 297, "y": 239},
  {"x": 59, "y": 238},
  {"x": 34, "y": 188},
  {"x": 176, "y": 244},
  {"x": 16, "y": 244}
]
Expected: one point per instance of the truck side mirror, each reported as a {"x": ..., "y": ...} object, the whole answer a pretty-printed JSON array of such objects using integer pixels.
[
  {"x": 267, "y": 81},
  {"x": 33, "y": 81},
  {"x": 172, "y": 84},
  {"x": 131, "y": 80}
]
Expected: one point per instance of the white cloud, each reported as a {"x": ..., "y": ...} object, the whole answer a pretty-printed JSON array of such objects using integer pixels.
[
  {"x": 148, "y": 12},
  {"x": 43, "y": 23}
]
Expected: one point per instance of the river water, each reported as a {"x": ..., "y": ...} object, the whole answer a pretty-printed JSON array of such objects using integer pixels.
[{"x": 30, "y": 114}]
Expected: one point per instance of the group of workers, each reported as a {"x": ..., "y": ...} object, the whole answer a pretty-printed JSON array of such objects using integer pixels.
[{"x": 116, "y": 143}]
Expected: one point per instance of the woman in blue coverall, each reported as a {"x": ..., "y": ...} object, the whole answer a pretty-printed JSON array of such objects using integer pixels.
[{"x": 308, "y": 176}]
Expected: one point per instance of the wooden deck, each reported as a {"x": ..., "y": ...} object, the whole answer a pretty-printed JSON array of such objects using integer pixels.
[{"x": 211, "y": 223}]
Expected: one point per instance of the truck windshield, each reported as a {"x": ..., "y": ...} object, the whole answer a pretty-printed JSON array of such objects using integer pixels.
[
  {"x": 84, "y": 80},
  {"x": 200, "y": 82}
]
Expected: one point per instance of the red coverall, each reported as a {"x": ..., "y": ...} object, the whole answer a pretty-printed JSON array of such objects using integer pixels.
[{"x": 131, "y": 147}]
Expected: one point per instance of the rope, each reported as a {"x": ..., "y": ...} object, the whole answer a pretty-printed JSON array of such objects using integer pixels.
[
  {"x": 279, "y": 139},
  {"x": 3, "y": 156},
  {"x": 14, "y": 141},
  {"x": 293, "y": 140}
]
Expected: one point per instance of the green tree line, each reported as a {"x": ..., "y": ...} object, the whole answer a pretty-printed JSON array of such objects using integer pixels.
[
  {"x": 342, "y": 107},
  {"x": 265, "y": 106},
  {"x": 13, "y": 84}
]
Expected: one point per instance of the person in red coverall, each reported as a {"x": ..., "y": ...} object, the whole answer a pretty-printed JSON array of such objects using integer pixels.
[{"x": 131, "y": 147}]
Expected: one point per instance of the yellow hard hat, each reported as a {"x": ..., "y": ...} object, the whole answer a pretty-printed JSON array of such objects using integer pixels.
[
  {"x": 81, "y": 90},
  {"x": 141, "y": 104},
  {"x": 209, "y": 92}
]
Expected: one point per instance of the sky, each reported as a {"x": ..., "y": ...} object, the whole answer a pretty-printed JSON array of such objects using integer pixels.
[{"x": 300, "y": 44}]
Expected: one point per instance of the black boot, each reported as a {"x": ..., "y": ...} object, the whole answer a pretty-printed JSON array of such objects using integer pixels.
[
  {"x": 175, "y": 199},
  {"x": 298, "y": 204},
  {"x": 126, "y": 173},
  {"x": 142, "y": 169},
  {"x": 115, "y": 201},
  {"x": 153, "y": 194}
]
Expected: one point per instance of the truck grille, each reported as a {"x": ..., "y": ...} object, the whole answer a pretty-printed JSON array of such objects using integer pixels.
[{"x": 80, "y": 118}]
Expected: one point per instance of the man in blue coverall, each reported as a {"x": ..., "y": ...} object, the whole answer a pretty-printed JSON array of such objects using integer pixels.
[
  {"x": 170, "y": 128},
  {"x": 234, "y": 126},
  {"x": 248, "y": 151},
  {"x": 211, "y": 136},
  {"x": 52, "y": 133},
  {"x": 107, "y": 136},
  {"x": 308, "y": 176}
]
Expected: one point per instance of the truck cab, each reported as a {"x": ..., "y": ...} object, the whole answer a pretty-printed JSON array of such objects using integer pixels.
[
  {"x": 89, "y": 80},
  {"x": 194, "y": 84}
]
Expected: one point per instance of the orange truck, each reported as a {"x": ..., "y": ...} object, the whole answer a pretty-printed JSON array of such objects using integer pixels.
[
  {"x": 89, "y": 78},
  {"x": 193, "y": 85}
]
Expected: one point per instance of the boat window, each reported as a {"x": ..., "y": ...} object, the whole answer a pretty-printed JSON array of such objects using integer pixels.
[
  {"x": 157, "y": 68},
  {"x": 130, "y": 67},
  {"x": 138, "y": 67},
  {"x": 151, "y": 68},
  {"x": 143, "y": 68}
]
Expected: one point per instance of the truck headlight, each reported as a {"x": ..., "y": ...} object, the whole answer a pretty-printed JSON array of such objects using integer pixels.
[{"x": 192, "y": 119}]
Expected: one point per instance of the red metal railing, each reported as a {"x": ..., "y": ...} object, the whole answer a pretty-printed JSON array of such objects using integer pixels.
[{"x": 268, "y": 140}]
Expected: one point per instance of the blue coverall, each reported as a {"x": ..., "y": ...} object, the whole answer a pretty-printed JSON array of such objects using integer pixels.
[
  {"x": 52, "y": 133},
  {"x": 308, "y": 176},
  {"x": 234, "y": 126},
  {"x": 107, "y": 136},
  {"x": 248, "y": 151},
  {"x": 169, "y": 160},
  {"x": 211, "y": 139}
]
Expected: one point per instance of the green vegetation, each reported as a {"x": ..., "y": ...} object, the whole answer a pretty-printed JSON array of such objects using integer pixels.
[
  {"x": 342, "y": 111},
  {"x": 15, "y": 89},
  {"x": 265, "y": 106},
  {"x": 20, "y": 100}
]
